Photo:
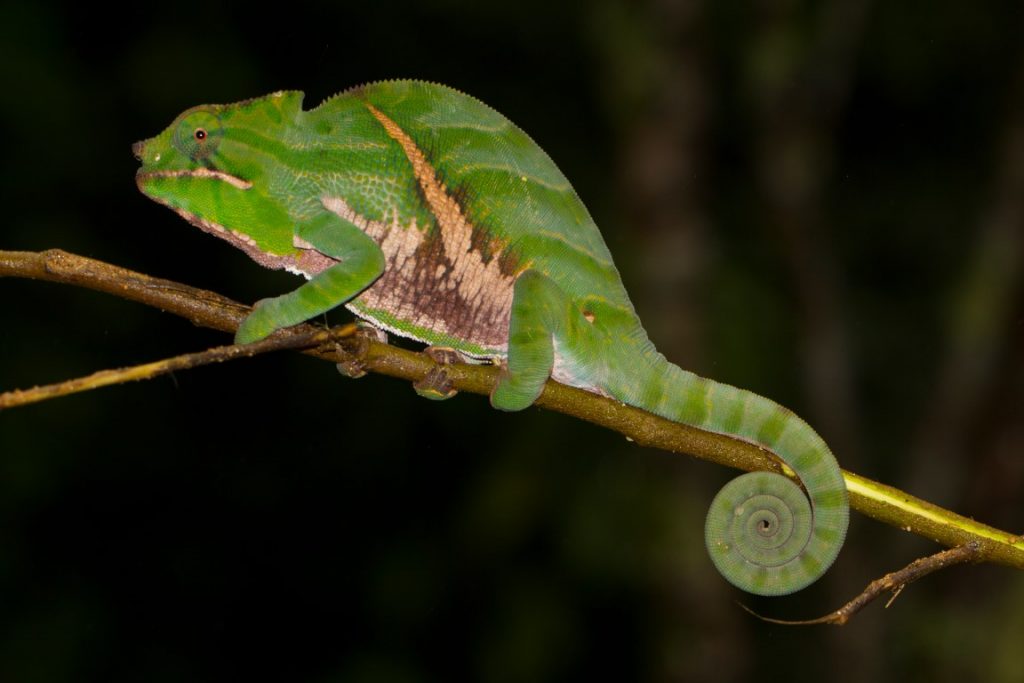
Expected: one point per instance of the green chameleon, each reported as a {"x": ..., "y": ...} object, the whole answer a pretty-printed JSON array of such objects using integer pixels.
[{"x": 432, "y": 216}]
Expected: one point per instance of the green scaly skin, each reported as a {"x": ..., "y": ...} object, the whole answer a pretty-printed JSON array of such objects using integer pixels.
[{"x": 432, "y": 216}]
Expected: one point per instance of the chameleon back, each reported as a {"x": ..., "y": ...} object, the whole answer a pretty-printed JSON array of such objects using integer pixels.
[{"x": 484, "y": 204}]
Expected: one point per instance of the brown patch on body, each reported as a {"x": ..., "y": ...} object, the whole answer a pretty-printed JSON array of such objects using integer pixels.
[
  {"x": 417, "y": 285},
  {"x": 455, "y": 280}
]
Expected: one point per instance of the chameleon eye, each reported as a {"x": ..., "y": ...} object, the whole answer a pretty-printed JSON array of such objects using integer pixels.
[{"x": 197, "y": 134}]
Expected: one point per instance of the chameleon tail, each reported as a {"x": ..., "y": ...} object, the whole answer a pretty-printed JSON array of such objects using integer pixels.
[{"x": 764, "y": 534}]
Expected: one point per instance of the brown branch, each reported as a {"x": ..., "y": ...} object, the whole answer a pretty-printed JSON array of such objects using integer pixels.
[
  {"x": 882, "y": 502},
  {"x": 894, "y": 583},
  {"x": 202, "y": 307}
]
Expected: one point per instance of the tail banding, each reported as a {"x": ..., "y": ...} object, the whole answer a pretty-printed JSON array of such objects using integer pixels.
[{"x": 760, "y": 533}]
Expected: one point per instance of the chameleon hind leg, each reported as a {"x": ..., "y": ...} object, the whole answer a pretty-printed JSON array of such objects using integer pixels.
[
  {"x": 360, "y": 263},
  {"x": 541, "y": 313}
]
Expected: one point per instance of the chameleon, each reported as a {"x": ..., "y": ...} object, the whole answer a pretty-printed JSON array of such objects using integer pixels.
[{"x": 431, "y": 216}]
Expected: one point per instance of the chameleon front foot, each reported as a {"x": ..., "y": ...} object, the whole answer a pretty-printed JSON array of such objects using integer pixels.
[
  {"x": 436, "y": 385},
  {"x": 352, "y": 367}
]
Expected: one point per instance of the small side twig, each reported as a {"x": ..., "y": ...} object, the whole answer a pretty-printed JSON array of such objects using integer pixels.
[
  {"x": 282, "y": 341},
  {"x": 893, "y": 582}
]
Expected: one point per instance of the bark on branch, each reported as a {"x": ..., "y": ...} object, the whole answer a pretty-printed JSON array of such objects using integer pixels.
[{"x": 884, "y": 503}]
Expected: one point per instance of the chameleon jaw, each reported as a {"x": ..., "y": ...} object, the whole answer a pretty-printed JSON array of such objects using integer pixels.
[{"x": 242, "y": 184}]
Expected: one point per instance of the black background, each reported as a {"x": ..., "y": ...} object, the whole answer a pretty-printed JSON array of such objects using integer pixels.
[{"x": 820, "y": 202}]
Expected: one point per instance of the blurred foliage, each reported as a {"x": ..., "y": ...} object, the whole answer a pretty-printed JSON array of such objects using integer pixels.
[{"x": 820, "y": 202}]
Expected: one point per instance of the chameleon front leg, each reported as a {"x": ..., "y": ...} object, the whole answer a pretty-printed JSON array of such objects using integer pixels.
[
  {"x": 360, "y": 263},
  {"x": 541, "y": 313}
]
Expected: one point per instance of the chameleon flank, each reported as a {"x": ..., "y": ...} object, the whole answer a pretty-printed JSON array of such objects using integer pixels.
[{"x": 432, "y": 216}]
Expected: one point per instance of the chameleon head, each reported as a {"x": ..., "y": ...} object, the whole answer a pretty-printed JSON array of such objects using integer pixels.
[
  {"x": 186, "y": 157},
  {"x": 214, "y": 165}
]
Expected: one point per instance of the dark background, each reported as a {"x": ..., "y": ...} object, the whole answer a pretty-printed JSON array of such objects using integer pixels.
[{"x": 819, "y": 202}]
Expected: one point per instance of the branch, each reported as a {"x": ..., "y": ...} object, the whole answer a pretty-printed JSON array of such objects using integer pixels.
[
  {"x": 893, "y": 582},
  {"x": 882, "y": 502}
]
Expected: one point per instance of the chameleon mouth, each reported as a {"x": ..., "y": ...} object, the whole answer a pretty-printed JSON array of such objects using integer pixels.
[{"x": 234, "y": 181}]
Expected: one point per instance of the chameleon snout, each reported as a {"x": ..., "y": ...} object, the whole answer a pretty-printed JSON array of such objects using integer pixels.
[{"x": 138, "y": 148}]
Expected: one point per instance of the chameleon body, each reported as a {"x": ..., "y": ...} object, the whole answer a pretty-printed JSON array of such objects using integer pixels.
[{"x": 432, "y": 216}]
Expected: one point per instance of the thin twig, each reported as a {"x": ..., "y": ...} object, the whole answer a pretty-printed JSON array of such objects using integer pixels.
[
  {"x": 893, "y": 582},
  {"x": 284, "y": 340}
]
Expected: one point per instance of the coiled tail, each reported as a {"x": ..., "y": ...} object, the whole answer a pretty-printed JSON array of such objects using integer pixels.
[{"x": 763, "y": 532}]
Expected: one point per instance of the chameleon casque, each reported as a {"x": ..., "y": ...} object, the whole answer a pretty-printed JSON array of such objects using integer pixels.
[{"x": 432, "y": 216}]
